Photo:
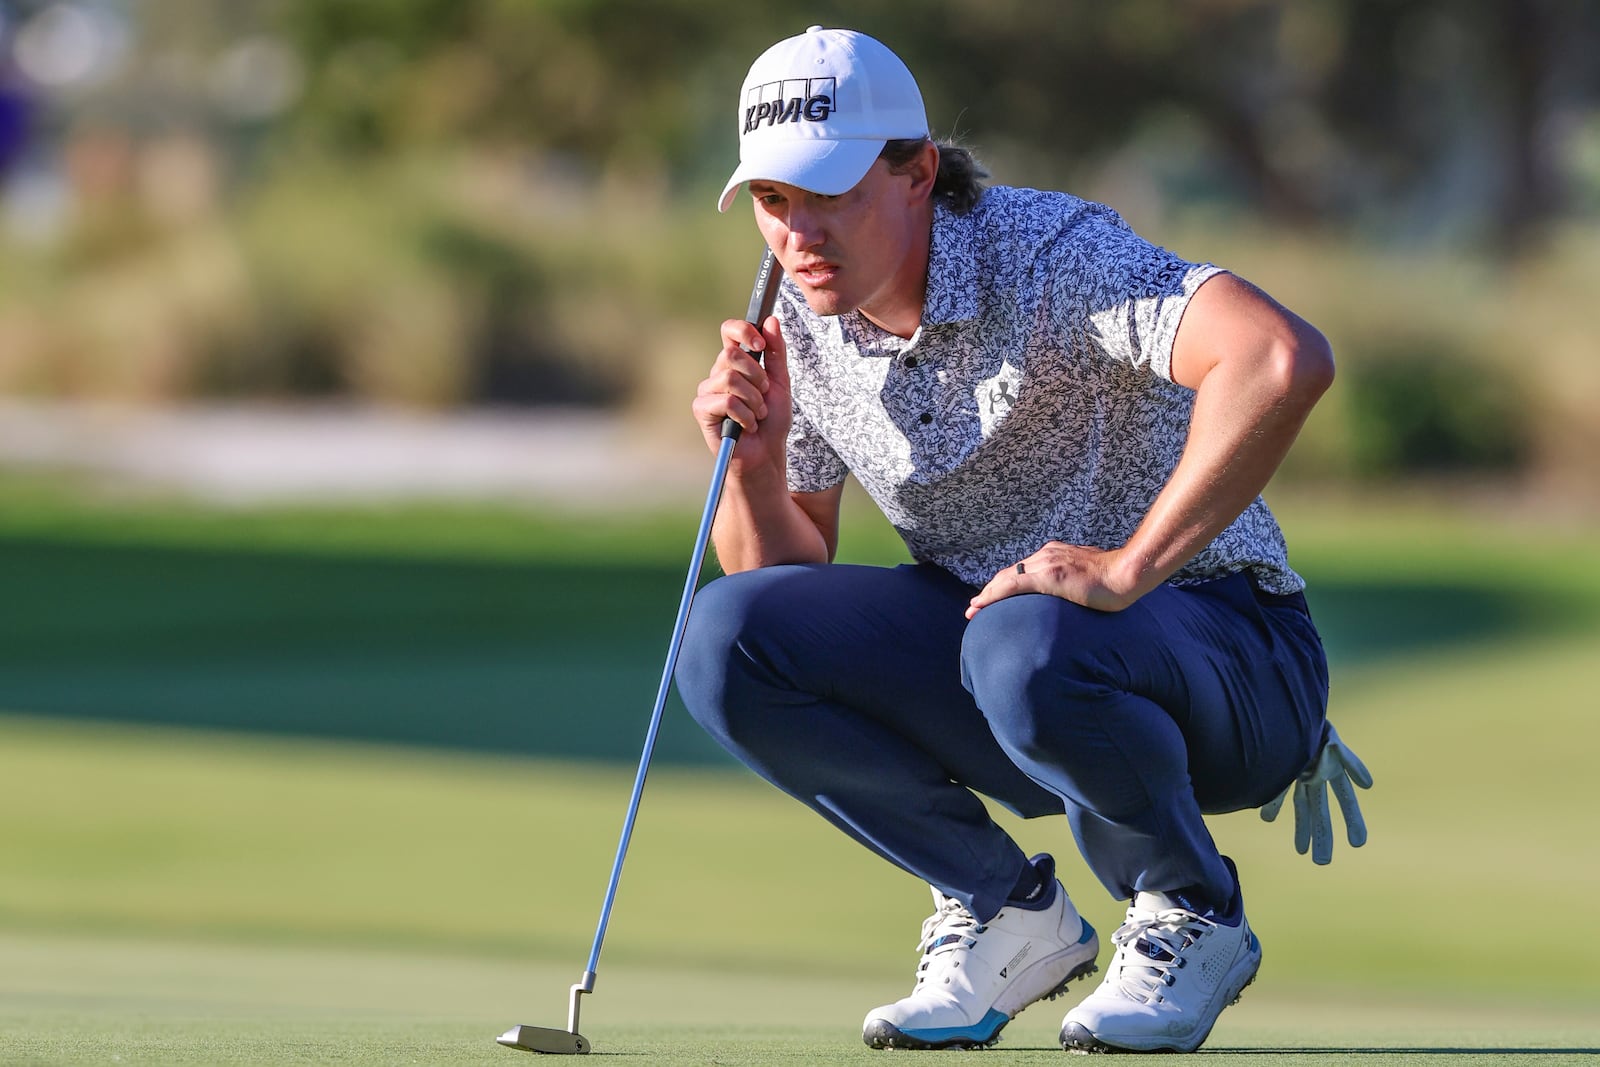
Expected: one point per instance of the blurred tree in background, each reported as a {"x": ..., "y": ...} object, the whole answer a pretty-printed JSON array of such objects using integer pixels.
[{"x": 443, "y": 202}]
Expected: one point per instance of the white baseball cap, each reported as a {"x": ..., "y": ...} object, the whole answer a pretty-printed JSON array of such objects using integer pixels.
[{"x": 816, "y": 110}]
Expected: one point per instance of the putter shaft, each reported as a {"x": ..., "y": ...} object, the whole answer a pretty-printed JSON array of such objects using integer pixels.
[{"x": 544, "y": 1039}]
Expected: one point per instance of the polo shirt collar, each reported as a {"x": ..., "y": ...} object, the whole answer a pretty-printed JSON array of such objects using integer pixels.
[{"x": 952, "y": 269}]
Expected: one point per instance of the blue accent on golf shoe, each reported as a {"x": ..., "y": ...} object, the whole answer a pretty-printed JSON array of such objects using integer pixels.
[{"x": 981, "y": 1032}]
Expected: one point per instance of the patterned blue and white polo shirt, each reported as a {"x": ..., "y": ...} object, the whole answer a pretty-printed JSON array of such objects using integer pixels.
[{"x": 1034, "y": 403}]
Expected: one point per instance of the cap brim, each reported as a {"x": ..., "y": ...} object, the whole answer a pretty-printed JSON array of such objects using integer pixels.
[{"x": 816, "y": 165}]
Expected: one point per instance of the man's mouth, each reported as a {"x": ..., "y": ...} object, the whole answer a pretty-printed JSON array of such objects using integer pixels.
[{"x": 816, "y": 274}]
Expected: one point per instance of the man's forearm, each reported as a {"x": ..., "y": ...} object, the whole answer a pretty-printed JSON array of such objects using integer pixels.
[
  {"x": 1244, "y": 420},
  {"x": 759, "y": 524}
]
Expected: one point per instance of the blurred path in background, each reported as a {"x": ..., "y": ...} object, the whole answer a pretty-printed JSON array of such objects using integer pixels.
[{"x": 260, "y": 454}]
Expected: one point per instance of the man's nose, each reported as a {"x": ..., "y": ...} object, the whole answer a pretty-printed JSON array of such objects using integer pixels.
[{"x": 805, "y": 230}]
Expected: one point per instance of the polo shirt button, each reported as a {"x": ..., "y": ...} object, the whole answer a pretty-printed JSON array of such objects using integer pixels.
[
  {"x": 911, "y": 362},
  {"x": 926, "y": 418}
]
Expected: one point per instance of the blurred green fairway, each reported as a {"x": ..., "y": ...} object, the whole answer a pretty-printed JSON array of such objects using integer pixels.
[{"x": 309, "y": 889}]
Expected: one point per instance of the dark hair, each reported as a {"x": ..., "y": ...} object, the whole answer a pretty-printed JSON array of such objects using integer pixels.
[{"x": 960, "y": 179}]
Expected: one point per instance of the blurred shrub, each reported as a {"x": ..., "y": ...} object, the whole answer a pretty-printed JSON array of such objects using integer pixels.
[
  {"x": 1421, "y": 408},
  {"x": 1470, "y": 368},
  {"x": 503, "y": 278},
  {"x": 379, "y": 281}
]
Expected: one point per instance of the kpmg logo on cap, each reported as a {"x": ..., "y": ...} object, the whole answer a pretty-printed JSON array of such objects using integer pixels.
[{"x": 790, "y": 100}]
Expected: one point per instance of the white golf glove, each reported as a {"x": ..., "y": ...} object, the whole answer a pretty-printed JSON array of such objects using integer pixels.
[{"x": 1335, "y": 766}]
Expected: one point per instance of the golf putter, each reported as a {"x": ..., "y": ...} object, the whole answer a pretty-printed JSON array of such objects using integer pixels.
[{"x": 569, "y": 1042}]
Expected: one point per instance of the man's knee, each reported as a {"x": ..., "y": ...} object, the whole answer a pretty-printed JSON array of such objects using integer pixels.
[
  {"x": 710, "y": 639},
  {"x": 733, "y": 618},
  {"x": 1033, "y": 662}
]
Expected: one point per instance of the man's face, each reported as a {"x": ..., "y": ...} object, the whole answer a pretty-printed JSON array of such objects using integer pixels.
[{"x": 865, "y": 249}]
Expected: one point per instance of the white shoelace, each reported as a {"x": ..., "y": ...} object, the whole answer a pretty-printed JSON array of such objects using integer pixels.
[
  {"x": 1142, "y": 976},
  {"x": 949, "y": 930}
]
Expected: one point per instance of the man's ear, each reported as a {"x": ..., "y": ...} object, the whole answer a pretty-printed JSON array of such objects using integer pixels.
[{"x": 923, "y": 170}]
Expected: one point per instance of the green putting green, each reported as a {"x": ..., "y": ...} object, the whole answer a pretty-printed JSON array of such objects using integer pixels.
[
  {"x": 68, "y": 999},
  {"x": 288, "y": 884}
]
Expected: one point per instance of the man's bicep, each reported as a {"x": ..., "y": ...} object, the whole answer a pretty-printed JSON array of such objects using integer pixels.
[{"x": 1228, "y": 318}]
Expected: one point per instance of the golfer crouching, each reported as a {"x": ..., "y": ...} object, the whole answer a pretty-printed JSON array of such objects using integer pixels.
[{"x": 1070, "y": 427}]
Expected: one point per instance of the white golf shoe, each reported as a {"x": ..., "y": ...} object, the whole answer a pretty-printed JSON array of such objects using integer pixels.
[
  {"x": 974, "y": 977},
  {"x": 1172, "y": 975}
]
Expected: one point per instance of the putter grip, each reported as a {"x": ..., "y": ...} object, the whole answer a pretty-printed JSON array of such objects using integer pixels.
[{"x": 762, "y": 298}]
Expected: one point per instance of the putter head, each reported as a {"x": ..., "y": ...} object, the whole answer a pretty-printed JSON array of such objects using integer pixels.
[{"x": 545, "y": 1039}]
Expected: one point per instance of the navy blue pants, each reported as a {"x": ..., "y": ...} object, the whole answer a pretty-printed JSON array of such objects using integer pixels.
[{"x": 865, "y": 693}]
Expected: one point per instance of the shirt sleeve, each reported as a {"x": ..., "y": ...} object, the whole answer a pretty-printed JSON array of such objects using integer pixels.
[
  {"x": 1121, "y": 294},
  {"x": 813, "y": 464}
]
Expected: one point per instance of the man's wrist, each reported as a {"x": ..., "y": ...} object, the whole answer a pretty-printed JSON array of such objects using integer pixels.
[
  {"x": 762, "y": 477},
  {"x": 1131, "y": 574}
]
